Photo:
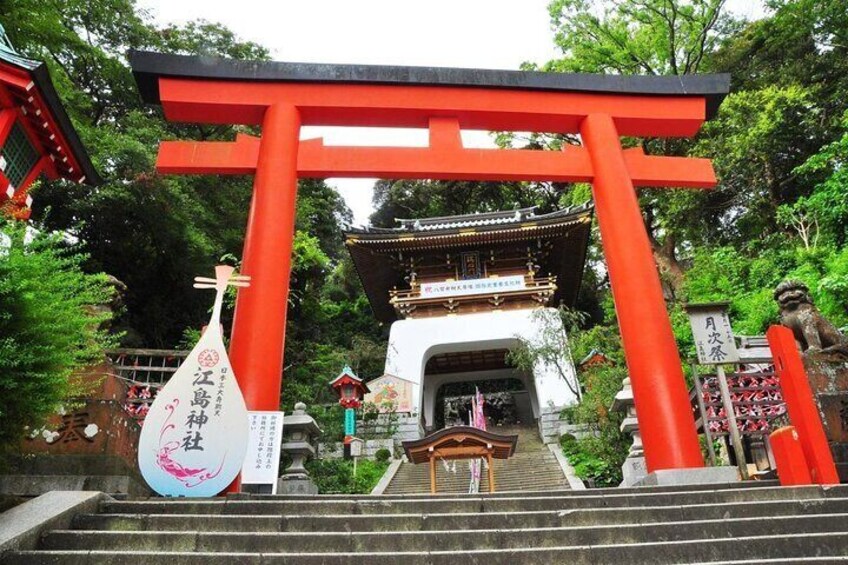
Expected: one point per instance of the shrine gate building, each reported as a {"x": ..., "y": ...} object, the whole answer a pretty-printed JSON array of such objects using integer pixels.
[{"x": 459, "y": 293}]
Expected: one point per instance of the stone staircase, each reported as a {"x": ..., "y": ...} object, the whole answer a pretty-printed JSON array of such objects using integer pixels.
[
  {"x": 532, "y": 468},
  {"x": 716, "y": 524}
]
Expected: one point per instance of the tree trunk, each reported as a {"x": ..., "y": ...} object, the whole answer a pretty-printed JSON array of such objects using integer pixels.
[{"x": 671, "y": 272}]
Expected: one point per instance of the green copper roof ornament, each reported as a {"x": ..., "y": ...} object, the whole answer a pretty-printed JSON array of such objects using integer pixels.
[{"x": 5, "y": 42}]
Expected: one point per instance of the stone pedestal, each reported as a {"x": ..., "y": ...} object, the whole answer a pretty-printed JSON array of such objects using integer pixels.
[
  {"x": 828, "y": 378},
  {"x": 302, "y": 485},
  {"x": 697, "y": 476}
]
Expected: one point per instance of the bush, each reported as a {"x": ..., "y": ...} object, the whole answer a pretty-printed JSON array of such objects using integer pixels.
[
  {"x": 596, "y": 460},
  {"x": 382, "y": 455},
  {"x": 335, "y": 476},
  {"x": 48, "y": 330}
]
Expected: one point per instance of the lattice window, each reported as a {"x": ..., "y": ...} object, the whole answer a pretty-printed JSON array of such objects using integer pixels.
[{"x": 19, "y": 154}]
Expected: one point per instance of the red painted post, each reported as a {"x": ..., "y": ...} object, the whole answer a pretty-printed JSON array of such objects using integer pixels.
[
  {"x": 259, "y": 327},
  {"x": 662, "y": 402},
  {"x": 803, "y": 412},
  {"x": 792, "y": 469}
]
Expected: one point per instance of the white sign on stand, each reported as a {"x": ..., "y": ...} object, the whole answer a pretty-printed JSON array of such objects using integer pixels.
[
  {"x": 356, "y": 447},
  {"x": 713, "y": 334},
  {"x": 262, "y": 461}
]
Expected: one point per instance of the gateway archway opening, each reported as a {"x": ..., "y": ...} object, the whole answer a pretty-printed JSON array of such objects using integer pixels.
[{"x": 452, "y": 378}]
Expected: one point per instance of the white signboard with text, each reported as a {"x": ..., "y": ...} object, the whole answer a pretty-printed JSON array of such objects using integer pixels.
[
  {"x": 713, "y": 335},
  {"x": 262, "y": 461},
  {"x": 194, "y": 437},
  {"x": 472, "y": 286}
]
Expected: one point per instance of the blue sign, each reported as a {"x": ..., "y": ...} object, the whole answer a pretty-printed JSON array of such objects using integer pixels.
[{"x": 350, "y": 422}]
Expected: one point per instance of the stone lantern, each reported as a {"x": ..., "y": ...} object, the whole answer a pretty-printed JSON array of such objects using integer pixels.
[
  {"x": 634, "y": 467},
  {"x": 299, "y": 431}
]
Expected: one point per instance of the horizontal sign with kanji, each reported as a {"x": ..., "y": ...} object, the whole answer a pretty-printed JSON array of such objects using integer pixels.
[{"x": 713, "y": 335}]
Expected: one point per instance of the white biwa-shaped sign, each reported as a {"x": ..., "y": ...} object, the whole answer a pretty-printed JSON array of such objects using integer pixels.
[{"x": 194, "y": 437}]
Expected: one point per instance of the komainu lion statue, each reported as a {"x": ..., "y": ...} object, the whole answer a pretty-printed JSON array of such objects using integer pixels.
[{"x": 812, "y": 330}]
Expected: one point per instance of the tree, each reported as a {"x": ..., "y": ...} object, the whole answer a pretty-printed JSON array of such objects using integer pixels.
[
  {"x": 550, "y": 347},
  {"x": 48, "y": 327},
  {"x": 151, "y": 232},
  {"x": 655, "y": 37}
]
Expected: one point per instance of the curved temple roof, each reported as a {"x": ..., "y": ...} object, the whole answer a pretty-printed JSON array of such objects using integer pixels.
[
  {"x": 40, "y": 77},
  {"x": 374, "y": 250},
  {"x": 149, "y": 66}
]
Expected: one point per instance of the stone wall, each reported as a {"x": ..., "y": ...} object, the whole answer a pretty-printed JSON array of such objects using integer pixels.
[
  {"x": 406, "y": 426},
  {"x": 551, "y": 427},
  {"x": 94, "y": 428},
  {"x": 336, "y": 451}
]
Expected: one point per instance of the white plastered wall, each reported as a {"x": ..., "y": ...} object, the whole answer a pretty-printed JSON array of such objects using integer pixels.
[{"x": 413, "y": 341}]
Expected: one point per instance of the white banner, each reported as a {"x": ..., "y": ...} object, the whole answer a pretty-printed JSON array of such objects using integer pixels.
[
  {"x": 262, "y": 461},
  {"x": 195, "y": 435},
  {"x": 472, "y": 286},
  {"x": 713, "y": 335}
]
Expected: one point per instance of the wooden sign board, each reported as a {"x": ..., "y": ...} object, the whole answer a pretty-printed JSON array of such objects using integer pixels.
[
  {"x": 390, "y": 393},
  {"x": 714, "y": 340}
]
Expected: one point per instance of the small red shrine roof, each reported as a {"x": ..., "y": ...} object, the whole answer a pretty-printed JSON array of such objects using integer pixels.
[
  {"x": 347, "y": 374},
  {"x": 447, "y": 439}
]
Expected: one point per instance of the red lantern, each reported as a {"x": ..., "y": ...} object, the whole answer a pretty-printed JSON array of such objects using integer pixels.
[{"x": 350, "y": 388}]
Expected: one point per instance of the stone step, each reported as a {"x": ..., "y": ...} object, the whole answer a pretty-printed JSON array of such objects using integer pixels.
[
  {"x": 723, "y": 523},
  {"x": 454, "y": 521},
  {"x": 562, "y": 500},
  {"x": 445, "y": 540},
  {"x": 792, "y": 548},
  {"x": 681, "y": 489}
]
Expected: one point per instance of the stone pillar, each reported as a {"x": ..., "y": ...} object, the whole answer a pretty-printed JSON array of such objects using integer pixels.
[
  {"x": 634, "y": 467},
  {"x": 828, "y": 376},
  {"x": 299, "y": 434}
]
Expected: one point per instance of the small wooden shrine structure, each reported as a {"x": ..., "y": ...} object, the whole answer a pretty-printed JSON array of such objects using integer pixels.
[{"x": 460, "y": 442}]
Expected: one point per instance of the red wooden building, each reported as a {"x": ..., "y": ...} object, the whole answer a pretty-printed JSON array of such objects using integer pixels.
[{"x": 36, "y": 135}]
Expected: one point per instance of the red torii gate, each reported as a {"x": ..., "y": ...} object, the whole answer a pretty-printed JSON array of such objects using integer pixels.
[{"x": 283, "y": 96}]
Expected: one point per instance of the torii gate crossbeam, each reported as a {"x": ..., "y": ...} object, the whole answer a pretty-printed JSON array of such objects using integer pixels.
[{"x": 282, "y": 97}]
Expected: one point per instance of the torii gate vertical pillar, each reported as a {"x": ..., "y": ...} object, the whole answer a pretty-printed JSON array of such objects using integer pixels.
[
  {"x": 259, "y": 327},
  {"x": 659, "y": 390}
]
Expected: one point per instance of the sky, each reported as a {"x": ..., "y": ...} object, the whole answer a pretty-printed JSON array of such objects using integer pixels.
[{"x": 491, "y": 34}]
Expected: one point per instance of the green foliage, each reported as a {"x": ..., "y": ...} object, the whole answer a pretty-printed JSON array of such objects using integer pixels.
[
  {"x": 747, "y": 279},
  {"x": 335, "y": 476},
  {"x": 636, "y": 36},
  {"x": 382, "y": 455},
  {"x": 548, "y": 346},
  {"x": 48, "y": 327},
  {"x": 596, "y": 460}
]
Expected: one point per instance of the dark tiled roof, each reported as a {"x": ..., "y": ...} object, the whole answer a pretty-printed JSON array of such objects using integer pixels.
[{"x": 374, "y": 250}]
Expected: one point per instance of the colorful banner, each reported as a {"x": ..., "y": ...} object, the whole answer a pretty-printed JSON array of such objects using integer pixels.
[{"x": 194, "y": 437}]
